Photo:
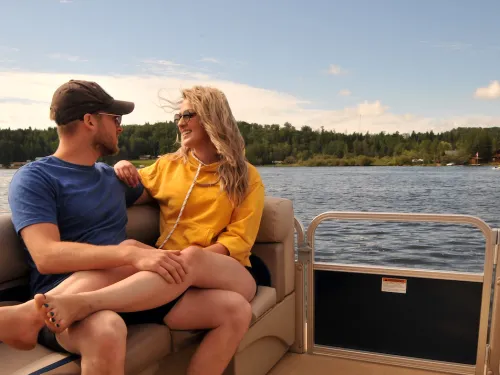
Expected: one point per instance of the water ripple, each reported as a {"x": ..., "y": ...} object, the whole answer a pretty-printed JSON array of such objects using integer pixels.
[{"x": 445, "y": 190}]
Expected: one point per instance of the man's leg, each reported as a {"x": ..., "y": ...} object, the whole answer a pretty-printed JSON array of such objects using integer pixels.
[
  {"x": 226, "y": 313},
  {"x": 100, "y": 339},
  {"x": 20, "y": 324},
  {"x": 147, "y": 290}
]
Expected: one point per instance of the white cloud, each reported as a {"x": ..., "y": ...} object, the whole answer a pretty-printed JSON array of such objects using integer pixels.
[
  {"x": 63, "y": 56},
  {"x": 345, "y": 93},
  {"x": 160, "y": 62},
  {"x": 8, "y": 49},
  {"x": 336, "y": 70},
  {"x": 490, "y": 92},
  {"x": 65, "y": 1},
  {"x": 170, "y": 68},
  {"x": 25, "y": 97},
  {"x": 453, "y": 46},
  {"x": 210, "y": 60}
]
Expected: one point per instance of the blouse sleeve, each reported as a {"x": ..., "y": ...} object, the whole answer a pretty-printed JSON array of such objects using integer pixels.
[
  {"x": 151, "y": 177},
  {"x": 241, "y": 232}
]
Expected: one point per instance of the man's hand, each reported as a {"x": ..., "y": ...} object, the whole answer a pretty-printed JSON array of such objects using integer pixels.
[
  {"x": 126, "y": 172},
  {"x": 166, "y": 263}
]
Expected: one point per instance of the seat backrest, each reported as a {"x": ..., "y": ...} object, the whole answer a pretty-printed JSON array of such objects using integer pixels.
[
  {"x": 13, "y": 266},
  {"x": 144, "y": 223},
  {"x": 274, "y": 244}
]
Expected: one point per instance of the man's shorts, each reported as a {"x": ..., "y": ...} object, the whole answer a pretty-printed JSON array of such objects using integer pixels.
[{"x": 47, "y": 338}]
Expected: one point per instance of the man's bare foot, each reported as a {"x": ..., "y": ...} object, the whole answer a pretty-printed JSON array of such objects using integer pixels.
[
  {"x": 19, "y": 325},
  {"x": 62, "y": 310}
]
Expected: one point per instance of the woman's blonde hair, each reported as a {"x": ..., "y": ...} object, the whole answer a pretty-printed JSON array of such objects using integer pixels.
[{"x": 216, "y": 117}]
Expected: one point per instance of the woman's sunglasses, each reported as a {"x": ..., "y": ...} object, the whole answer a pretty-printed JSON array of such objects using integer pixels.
[{"x": 186, "y": 116}]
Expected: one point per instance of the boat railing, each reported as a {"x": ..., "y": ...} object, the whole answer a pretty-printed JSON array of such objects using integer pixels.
[{"x": 395, "y": 302}]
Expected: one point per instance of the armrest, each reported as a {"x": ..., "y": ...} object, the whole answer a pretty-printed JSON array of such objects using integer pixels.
[{"x": 275, "y": 244}]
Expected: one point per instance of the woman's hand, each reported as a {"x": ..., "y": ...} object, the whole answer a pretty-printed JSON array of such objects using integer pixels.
[{"x": 126, "y": 172}]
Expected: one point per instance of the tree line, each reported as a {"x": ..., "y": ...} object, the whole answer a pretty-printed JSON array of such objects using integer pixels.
[{"x": 268, "y": 144}]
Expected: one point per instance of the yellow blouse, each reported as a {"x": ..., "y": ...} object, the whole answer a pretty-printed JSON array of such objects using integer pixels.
[{"x": 208, "y": 216}]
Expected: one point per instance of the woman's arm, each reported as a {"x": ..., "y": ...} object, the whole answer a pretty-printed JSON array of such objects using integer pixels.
[
  {"x": 239, "y": 236},
  {"x": 218, "y": 248}
]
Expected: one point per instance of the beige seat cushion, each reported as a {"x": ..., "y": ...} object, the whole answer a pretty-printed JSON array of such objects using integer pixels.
[
  {"x": 23, "y": 361},
  {"x": 264, "y": 300},
  {"x": 146, "y": 344}
]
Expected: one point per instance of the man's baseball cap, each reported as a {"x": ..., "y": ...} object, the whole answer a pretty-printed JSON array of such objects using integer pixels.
[{"x": 75, "y": 98}]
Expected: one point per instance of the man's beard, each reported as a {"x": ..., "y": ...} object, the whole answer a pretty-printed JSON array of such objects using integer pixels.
[{"x": 105, "y": 145}]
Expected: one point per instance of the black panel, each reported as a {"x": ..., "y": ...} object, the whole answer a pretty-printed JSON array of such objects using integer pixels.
[{"x": 435, "y": 319}]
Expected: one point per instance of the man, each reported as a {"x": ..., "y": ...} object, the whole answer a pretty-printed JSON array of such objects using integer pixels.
[{"x": 70, "y": 212}]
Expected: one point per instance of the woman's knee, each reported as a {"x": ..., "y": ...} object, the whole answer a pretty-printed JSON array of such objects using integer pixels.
[
  {"x": 192, "y": 253},
  {"x": 237, "y": 312}
]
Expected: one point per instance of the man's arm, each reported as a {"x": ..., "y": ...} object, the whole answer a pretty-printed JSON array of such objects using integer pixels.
[
  {"x": 33, "y": 199},
  {"x": 52, "y": 256}
]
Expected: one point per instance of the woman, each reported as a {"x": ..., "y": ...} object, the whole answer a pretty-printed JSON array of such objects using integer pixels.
[
  {"x": 211, "y": 202},
  {"x": 209, "y": 195}
]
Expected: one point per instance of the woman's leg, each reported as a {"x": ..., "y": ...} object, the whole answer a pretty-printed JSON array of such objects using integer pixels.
[
  {"x": 227, "y": 315},
  {"x": 147, "y": 290}
]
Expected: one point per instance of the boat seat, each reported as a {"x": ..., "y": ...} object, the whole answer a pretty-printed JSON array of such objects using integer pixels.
[
  {"x": 146, "y": 344},
  {"x": 155, "y": 349}
]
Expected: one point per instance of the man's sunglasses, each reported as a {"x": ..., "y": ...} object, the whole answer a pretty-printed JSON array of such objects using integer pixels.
[
  {"x": 118, "y": 118},
  {"x": 187, "y": 115}
]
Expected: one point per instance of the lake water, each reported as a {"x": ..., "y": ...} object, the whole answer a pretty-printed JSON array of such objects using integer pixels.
[{"x": 451, "y": 190}]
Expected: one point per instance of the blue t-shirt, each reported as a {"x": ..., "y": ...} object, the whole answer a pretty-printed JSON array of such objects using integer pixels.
[{"x": 87, "y": 203}]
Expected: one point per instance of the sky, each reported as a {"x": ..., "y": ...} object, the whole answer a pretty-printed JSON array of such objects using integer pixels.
[{"x": 348, "y": 66}]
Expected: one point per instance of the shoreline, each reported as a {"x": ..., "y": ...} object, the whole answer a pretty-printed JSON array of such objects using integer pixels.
[{"x": 330, "y": 166}]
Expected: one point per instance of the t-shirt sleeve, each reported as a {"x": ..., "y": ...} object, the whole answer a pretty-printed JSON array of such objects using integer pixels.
[
  {"x": 32, "y": 198},
  {"x": 133, "y": 193}
]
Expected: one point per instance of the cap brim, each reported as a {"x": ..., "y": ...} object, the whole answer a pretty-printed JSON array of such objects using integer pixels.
[{"x": 120, "y": 107}]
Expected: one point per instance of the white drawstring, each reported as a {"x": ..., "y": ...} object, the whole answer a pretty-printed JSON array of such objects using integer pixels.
[{"x": 182, "y": 207}]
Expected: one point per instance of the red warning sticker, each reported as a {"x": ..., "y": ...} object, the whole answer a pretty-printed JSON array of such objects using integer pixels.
[{"x": 393, "y": 285}]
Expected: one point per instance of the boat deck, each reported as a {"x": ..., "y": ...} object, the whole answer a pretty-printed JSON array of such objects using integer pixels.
[{"x": 301, "y": 364}]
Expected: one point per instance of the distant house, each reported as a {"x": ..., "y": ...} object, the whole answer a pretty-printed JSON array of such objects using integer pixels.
[
  {"x": 451, "y": 152},
  {"x": 496, "y": 156},
  {"x": 17, "y": 164},
  {"x": 475, "y": 160}
]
